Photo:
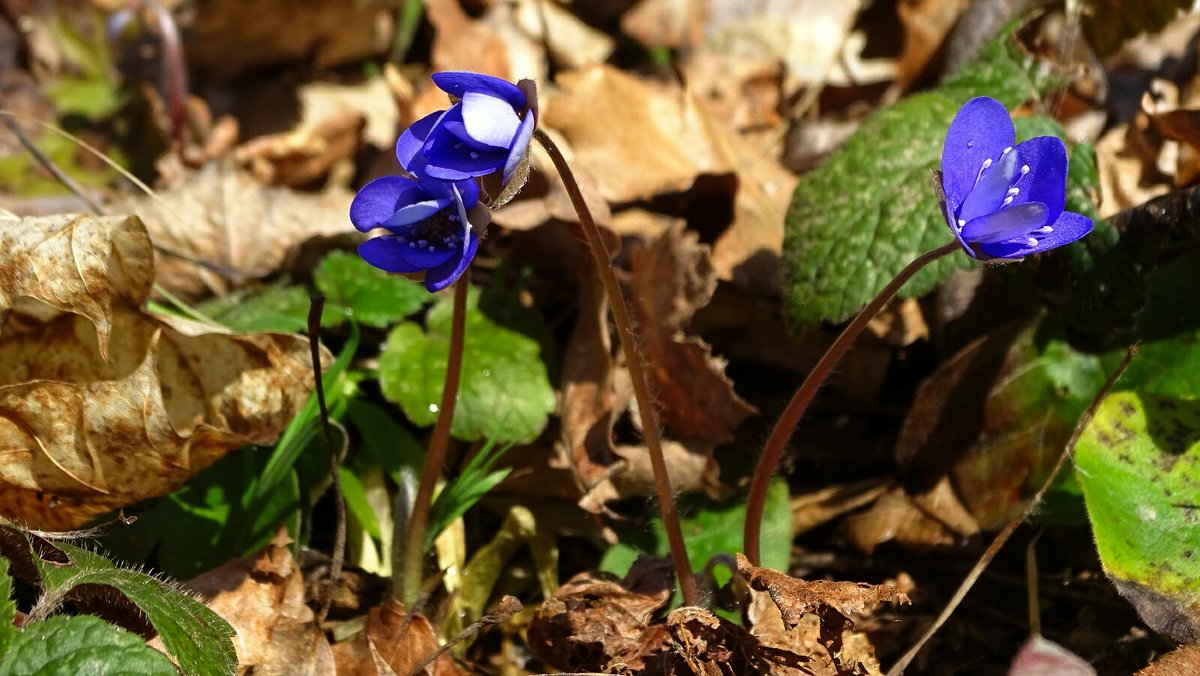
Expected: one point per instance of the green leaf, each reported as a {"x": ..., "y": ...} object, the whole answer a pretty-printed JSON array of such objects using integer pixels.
[
  {"x": 8, "y": 608},
  {"x": 1139, "y": 464},
  {"x": 713, "y": 528},
  {"x": 466, "y": 489},
  {"x": 198, "y": 638},
  {"x": 505, "y": 393},
  {"x": 355, "y": 289},
  {"x": 385, "y": 442},
  {"x": 355, "y": 496},
  {"x": 869, "y": 209},
  {"x": 278, "y": 308},
  {"x": 82, "y": 645}
]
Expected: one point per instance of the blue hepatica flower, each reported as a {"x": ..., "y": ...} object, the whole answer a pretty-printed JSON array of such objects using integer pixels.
[
  {"x": 1005, "y": 199},
  {"x": 429, "y": 224},
  {"x": 486, "y": 131}
]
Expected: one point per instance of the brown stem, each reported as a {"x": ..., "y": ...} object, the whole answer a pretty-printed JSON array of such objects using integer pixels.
[
  {"x": 337, "y": 555},
  {"x": 413, "y": 553},
  {"x": 1011, "y": 527},
  {"x": 787, "y": 422},
  {"x": 637, "y": 373}
]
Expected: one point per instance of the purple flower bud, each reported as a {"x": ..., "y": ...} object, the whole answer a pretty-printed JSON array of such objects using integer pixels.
[
  {"x": 1004, "y": 199},
  {"x": 486, "y": 131},
  {"x": 430, "y": 226}
]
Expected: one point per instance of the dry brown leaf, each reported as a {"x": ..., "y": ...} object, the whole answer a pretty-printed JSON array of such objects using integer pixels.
[
  {"x": 797, "y": 598},
  {"x": 393, "y": 642},
  {"x": 677, "y": 24},
  {"x": 544, "y": 198},
  {"x": 926, "y": 24},
  {"x": 263, "y": 598},
  {"x": 1127, "y": 157},
  {"x": 595, "y": 622},
  {"x": 1183, "y": 661},
  {"x": 671, "y": 279},
  {"x": 228, "y": 38},
  {"x": 304, "y": 156},
  {"x": 463, "y": 43},
  {"x": 572, "y": 43},
  {"x": 932, "y": 519},
  {"x": 84, "y": 432},
  {"x": 812, "y": 510},
  {"x": 227, "y": 219}
]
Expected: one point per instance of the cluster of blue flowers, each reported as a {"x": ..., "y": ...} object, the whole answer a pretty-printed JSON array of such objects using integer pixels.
[
  {"x": 1002, "y": 199},
  {"x": 435, "y": 214}
]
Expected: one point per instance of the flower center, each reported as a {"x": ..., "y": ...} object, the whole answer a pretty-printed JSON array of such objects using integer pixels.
[{"x": 440, "y": 231}]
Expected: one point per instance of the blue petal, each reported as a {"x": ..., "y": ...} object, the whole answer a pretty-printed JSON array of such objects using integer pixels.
[
  {"x": 1046, "y": 181},
  {"x": 980, "y": 131},
  {"x": 378, "y": 200},
  {"x": 1001, "y": 226},
  {"x": 422, "y": 257},
  {"x": 519, "y": 146},
  {"x": 384, "y": 253},
  {"x": 458, "y": 83},
  {"x": 408, "y": 146},
  {"x": 988, "y": 194},
  {"x": 468, "y": 192},
  {"x": 416, "y": 212},
  {"x": 489, "y": 120},
  {"x": 1069, "y": 227},
  {"x": 450, "y": 166},
  {"x": 445, "y": 274}
]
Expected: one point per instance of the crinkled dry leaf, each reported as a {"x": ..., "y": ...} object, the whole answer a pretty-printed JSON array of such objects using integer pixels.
[
  {"x": 304, "y": 156},
  {"x": 1127, "y": 157},
  {"x": 225, "y": 218},
  {"x": 671, "y": 279},
  {"x": 263, "y": 598},
  {"x": 932, "y": 519},
  {"x": 393, "y": 642},
  {"x": 84, "y": 432},
  {"x": 485, "y": 45},
  {"x": 811, "y": 510},
  {"x": 797, "y": 598},
  {"x": 594, "y": 622}
]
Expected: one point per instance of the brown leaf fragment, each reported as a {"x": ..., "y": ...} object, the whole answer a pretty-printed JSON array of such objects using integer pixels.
[
  {"x": 671, "y": 279},
  {"x": 303, "y": 156},
  {"x": 83, "y": 432},
  {"x": 595, "y": 622},
  {"x": 393, "y": 642},
  {"x": 933, "y": 519},
  {"x": 76, "y": 264},
  {"x": 1183, "y": 661},
  {"x": 796, "y": 598},
  {"x": 263, "y": 598},
  {"x": 236, "y": 227}
]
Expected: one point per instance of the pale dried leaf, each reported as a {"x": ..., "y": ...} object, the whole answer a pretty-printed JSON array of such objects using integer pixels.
[{"x": 933, "y": 519}]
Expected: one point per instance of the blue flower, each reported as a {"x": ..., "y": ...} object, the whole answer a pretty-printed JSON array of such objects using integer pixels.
[
  {"x": 430, "y": 225},
  {"x": 1004, "y": 199},
  {"x": 486, "y": 131}
]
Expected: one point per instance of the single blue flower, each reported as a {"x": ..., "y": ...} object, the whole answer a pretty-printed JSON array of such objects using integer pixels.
[
  {"x": 428, "y": 219},
  {"x": 1004, "y": 199},
  {"x": 486, "y": 131}
]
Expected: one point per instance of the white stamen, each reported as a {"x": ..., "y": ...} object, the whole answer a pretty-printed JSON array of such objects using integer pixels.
[
  {"x": 961, "y": 222},
  {"x": 422, "y": 243},
  {"x": 986, "y": 163},
  {"x": 1014, "y": 191},
  {"x": 1031, "y": 242},
  {"x": 1006, "y": 151},
  {"x": 1045, "y": 229},
  {"x": 1007, "y": 201},
  {"x": 474, "y": 155},
  {"x": 1024, "y": 169}
]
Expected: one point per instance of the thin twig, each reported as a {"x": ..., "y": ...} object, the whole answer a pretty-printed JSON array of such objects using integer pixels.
[
  {"x": 1011, "y": 527},
  {"x": 505, "y": 608},
  {"x": 412, "y": 568},
  {"x": 45, "y": 161},
  {"x": 337, "y": 556},
  {"x": 782, "y": 432},
  {"x": 637, "y": 372}
]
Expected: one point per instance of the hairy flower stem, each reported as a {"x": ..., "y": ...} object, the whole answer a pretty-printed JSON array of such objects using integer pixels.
[
  {"x": 637, "y": 372},
  {"x": 413, "y": 553},
  {"x": 787, "y": 422}
]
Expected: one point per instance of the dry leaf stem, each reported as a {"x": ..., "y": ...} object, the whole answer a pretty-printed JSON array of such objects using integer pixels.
[
  {"x": 1011, "y": 527},
  {"x": 412, "y": 566},
  {"x": 337, "y": 556},
  {"x": 782, "y": 432},
  {"x": 637, "y": 372}
]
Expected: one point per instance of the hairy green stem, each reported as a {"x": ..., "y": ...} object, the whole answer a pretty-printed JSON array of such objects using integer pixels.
[
  {"x": 782, "y": 432},
  {"x": 637, "y": 371},
  {"x": 412, "y": 571}
]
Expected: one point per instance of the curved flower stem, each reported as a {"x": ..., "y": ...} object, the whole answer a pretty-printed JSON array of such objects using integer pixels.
[
  {"x": 1011, "y": 527},
  {"x": 782, "y": 432},
  {"x": 637, "y": 373},
  {"x": 413, "y": 554}
]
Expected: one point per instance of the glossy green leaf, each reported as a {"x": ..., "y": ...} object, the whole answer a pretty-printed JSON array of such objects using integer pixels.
[
  {"x": 8, "y": 608},
  {"x": 1139, "y": 464},
  {"x": 505, "y": 393},
  {"x": 82, "y": 645},
  {"x": 355, "y": 290}
]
